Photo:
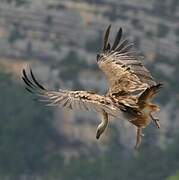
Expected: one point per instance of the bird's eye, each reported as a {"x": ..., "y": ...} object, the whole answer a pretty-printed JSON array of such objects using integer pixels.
[{"x": 97, "y": 57}]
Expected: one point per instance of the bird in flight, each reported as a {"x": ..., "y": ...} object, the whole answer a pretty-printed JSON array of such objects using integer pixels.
[{"x": 131, "y": 88}]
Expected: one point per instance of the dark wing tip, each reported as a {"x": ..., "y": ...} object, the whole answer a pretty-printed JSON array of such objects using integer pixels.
[
  {"x": 23, "y": 71},
  {"x": 109, "y": 27},
  {"x": 26, "y": 79},
  {"x": 117, "y": 39},
  {"x": 159, "y": 85},
  {"x": 122, "y": 45},
  {"x": 156, "y": 88},
  {"x": 26, "y": 82},
  {"x": 30, "y": 87},
  {"x": 32, "y": 84},
  {"x": 29, "y": 90},
  {"x": 24, "y": 74},
  {"x": 106, "y": 36},
  {"x": 36, "y": 82},
  {"x": 108, "y": 47}
]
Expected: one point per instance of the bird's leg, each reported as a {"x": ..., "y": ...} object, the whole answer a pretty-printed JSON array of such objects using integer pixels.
[
  {"x": 155, "y": 120},
  {"x": 102, "y": 126},
  {"x": 138, "y": 138}
]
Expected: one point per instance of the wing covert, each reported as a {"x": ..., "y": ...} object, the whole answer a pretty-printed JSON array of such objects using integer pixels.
[
  {"x": 122, "y": 66},
  {"x": 77, "y": 100}
]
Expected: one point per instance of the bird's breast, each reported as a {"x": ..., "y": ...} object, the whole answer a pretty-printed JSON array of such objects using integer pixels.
[{"x": 143, "y": 119}]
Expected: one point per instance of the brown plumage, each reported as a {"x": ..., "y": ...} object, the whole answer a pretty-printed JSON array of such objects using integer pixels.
[{"x": 131, "y": 88}]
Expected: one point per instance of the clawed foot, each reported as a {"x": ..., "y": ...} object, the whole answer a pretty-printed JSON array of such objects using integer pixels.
[
  {"x": 156, "y": 121},
  {"x": 138, "y": 139}
]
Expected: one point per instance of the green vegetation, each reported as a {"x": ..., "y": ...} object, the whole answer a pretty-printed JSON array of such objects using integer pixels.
[
  {"x": 28, "y": 145},
  {"x": 17, "y": 2},
  {"x": 170, "y": 87},
  {"x": 174, "y": 177},
  {"x": 177, "y": 31},
  {"x": 49, "y": 20},
  {"x": 149, "y": 34},
  {"x": 15, "y": 34},
  {"x": 70, "y": 68},
  {"x": 94, "y": 45},
  {"x": 150, "y": 163},
  {"x": 173, "y": 6},
  {"x": 57, "y": 44},
  {"x": 162, "y": 30},
  {"x": 25, "y": 132}
]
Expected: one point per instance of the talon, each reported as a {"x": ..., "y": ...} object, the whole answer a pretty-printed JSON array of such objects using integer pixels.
[
  {"x": 138, "y": 138},
  {"x": 156, "y": 121}
]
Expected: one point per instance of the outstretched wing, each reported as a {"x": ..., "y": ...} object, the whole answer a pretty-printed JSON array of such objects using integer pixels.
[
  {"x": 123, "y": 67},
  {"x": 80, "y": 100}
]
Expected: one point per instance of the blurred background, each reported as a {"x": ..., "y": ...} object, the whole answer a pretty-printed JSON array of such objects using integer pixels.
[{"x": 59, "y": 40}]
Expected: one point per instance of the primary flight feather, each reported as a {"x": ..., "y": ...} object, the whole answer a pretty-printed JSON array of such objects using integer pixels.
[{"x": 130, "y": 88}]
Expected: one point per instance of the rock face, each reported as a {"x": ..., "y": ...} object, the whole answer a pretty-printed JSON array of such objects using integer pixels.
[
  {"x": 64, "y": 38},
  {"x": 43, "y": 28}
]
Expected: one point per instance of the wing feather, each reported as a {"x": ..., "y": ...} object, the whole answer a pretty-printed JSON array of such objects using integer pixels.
[
  {"x": 106, "y": 36},
  {"x": 123, "y": 67},
  {"x": 80, "y": 100},
  {"x": 117, "y": 39},
  {"x": 122, "y": 45}
]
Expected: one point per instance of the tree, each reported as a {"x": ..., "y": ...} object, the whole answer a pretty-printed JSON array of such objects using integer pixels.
[{"x": 25, "y": 131}]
